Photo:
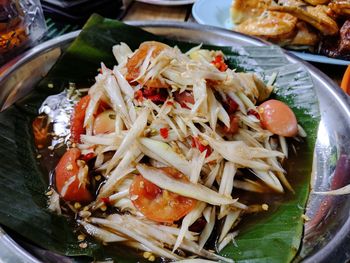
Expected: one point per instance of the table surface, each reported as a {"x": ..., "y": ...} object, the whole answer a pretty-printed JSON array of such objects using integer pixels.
[{"x": 141, "y": 11}]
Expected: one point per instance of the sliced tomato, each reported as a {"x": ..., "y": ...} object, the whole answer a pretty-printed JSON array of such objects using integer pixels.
[
  {"x": 183, "y": 98},
  {"x": 278, "y": 118},
  {"x": 67, "y": 168},
  {"x": 231, "y": 106},
  {"x": 77, "y": 120},
  {"x": 157, "y": 204},
  {"x": 155, "y": 95},
  {"x": 134, "y": 63},
  {"x": 234, "y": 125},
  {"x": 104, "y": 122}
]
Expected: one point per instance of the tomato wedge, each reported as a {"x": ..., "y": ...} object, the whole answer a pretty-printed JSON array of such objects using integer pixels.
[
  {"x": 157, "y": 204},
  {"x": 234, "y": 125},
  {"x": 77, "y": 120},
  {"x": 134, "y": 63},
  {"x": 278, "y": 118},
  {"x": 183, "y": 98},
  {"x": 70, "y": 189}
]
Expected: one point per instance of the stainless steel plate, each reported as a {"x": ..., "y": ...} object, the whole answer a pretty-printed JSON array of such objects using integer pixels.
[{"x": 327, "y": 235}]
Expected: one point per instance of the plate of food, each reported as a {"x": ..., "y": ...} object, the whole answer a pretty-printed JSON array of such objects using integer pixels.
[
  {"x": 313, "y": 30},
  {"x": 186, "y": 157},
  {"x": 167, "y": 2}
]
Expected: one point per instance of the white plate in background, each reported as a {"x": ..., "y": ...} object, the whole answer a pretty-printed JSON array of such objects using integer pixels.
[{"x": 217, "y": 13}]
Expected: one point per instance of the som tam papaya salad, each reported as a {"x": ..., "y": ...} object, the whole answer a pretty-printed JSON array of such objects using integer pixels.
[{"x": 160, "y": 147}]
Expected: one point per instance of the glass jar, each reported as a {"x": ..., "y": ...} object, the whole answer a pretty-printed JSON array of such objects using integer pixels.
[{"x": 21, "y": 24}]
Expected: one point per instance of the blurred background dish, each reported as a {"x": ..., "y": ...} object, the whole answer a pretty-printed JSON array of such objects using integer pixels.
[{"x": 254, "y": 19}]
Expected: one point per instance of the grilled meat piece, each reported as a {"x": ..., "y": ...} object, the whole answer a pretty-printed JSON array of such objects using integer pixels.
[
  {"x": 344, "y": 44},
  {"x": 338, "y": 47}
]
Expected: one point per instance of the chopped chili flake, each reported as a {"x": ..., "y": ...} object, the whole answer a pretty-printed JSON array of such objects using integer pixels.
[
  {"x": 164, "y": 132},
  {"x": 254, "y": 113},
  {"x": 87, "y": 157},
  {"x": 197, "y": 144},
  {"x": 106, "y": 200},
  {"x": 169, "y": 103},
  {"x": 138, "y": 96},
  {"x": 219, "y": 63}
]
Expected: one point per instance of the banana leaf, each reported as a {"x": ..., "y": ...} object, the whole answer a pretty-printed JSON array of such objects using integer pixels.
[{"x": 271, "y": 237}]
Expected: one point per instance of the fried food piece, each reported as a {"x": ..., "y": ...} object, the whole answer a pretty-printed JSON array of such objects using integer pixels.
[
  {"x": 291, "y": 3},
  {"x": 314, "y": 15},
  {"x": 317, "y": 2},
  {"x": 338, "y": 47},
  {"x": 272, "y": 26},
  {"x": 242, "y": 10},
  {"x": 305, "y": 36},
  {"x": 340, "y": 7}
]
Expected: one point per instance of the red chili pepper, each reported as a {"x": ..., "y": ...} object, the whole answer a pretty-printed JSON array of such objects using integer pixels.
[
  {"x": 106, "y": 200},
  {"x": 254, "y": 113},
  {"x": 169, "y": 103},
  {"x": 197, "y": 144},
  {"x": 87, "y": 157},
  {"x": 164, "y": 132},
  {"x": 219, "y": 63}
]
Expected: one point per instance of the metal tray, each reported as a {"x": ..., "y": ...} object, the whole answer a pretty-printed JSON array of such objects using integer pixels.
[{"x": 327, "y": 240}]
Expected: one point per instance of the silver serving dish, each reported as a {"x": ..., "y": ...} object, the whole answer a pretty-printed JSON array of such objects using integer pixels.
[{"x": 327, "y": 235}]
